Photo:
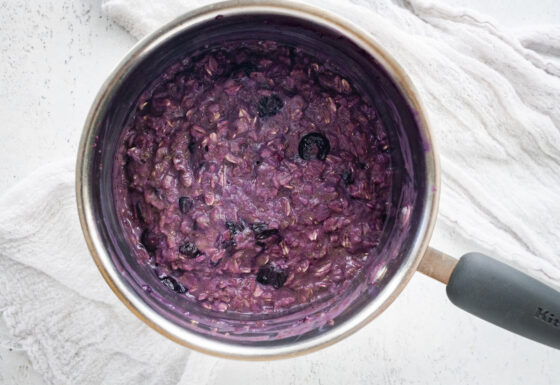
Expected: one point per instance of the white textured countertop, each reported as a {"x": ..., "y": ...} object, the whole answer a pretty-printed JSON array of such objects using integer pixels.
[{"x": 55, "y": 55}]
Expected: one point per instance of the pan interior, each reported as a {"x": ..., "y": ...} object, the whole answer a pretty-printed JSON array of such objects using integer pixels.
[{"x": 409, "y": 192}]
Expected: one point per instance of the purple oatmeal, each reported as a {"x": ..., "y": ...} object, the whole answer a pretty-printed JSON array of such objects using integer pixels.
[{"x": 253, "y": 178}]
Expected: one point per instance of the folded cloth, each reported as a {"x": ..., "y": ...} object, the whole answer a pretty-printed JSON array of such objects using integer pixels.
[
  {"x": 492, "y": 99},
  {"x": 54, "y": 301}
]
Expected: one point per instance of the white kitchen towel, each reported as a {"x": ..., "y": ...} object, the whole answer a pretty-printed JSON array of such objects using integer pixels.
[
  {"x": 492, "y": 99},
  {"x": 55, "y": 303}
]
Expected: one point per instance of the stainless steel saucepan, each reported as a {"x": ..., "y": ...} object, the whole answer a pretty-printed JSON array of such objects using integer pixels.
[{"x": 475, "y": 282}]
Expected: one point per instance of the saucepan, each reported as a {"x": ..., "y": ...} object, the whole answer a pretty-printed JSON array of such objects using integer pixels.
[{"x": 476, "y": 283}]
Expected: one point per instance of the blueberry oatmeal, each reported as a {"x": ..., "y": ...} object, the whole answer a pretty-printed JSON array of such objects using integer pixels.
[{"x": 253, "y": 178}]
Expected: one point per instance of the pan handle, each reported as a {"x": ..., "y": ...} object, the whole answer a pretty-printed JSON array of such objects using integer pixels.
[{"x": 498, "y": 294}]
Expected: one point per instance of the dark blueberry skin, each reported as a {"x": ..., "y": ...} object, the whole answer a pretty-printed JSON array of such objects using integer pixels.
[
  {"x": 150, "y": 240},
  {"x": 138, "y": 212},
  {"x": 266, "y": 234},
  {"x": 269, "y": 105},
  {"x": 314, "y": 146},
  {"x": 268, "y": 238},
  {"x": 189, "y": 250},
  {"x": 229, "y": 245},
  {"x": 258, "y": 227},
  {"x": 384, "y": 217},
  {"x": 173, "y": 284},
  {"x": 245, "y": 68},
  {"x": 292, "y": 56},
  {"x": 348, "y": 178},
  {"x": 185, "y": 204},
  {"x": 270, "y": 275},
  {"x": 234, "y": 227},
  {"x": 192, "y": 146}
]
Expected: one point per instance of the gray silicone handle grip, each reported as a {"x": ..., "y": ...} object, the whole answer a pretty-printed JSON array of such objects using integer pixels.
[{"x": 506, "y": 297}]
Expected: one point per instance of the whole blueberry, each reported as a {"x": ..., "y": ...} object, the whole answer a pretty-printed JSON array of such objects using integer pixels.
[
  {"x": 192, "y": 146},
  {"x": 189, "y": 250},
  {"x": 271, "y": 275},
  {"x": 151, "y": 240},
  {"x": 347, "y": 178},
  {"x": 173, "y": 284},
  {"x": 185, "y": 204},
  {"x": 314, "y": 146}
]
